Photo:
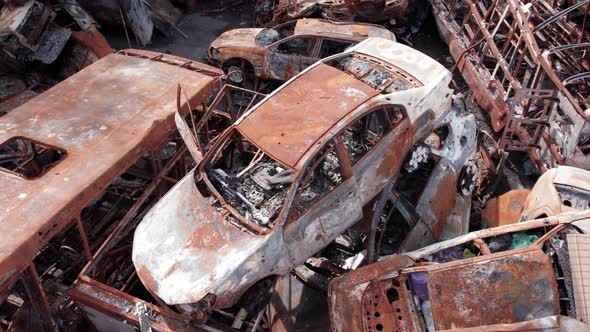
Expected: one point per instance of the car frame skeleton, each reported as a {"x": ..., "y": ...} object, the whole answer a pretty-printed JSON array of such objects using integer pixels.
[
  {"x": 207, "y": 244},
  {"x": 528, "y": 67},
  {"x": 66, "y": 175}
]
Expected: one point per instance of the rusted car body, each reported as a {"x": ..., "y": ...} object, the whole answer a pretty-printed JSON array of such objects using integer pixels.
[
  {"x": 527, "y": 65},
  {"x": 283, "y": 51},
  {"x": 503, "y": 275},
  {"x": 269, "y": 12},
  {"x": 66, "y": 158},
  {"x": 309, "y": 173}
]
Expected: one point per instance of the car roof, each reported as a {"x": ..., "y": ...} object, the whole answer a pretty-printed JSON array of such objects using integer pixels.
[
  {"x": 287, "y": 124},
  {"x": 346, "y": 30},
  {"x": 571, "y": 176},
  {"x": 424, "y": 68},
  {"x": 104, "y": 117}
]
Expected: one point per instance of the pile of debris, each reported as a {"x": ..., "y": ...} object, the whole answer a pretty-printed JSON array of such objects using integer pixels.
[
  {"x": 318, "y": 175},
  {"x": 41, "y": 44}
]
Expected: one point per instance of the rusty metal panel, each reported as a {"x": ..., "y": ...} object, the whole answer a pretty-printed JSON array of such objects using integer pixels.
[
  {"x": 341, "y": 29},
  {"x": 579, "y": 246},
  {"x": 283, "y": 126},
  {"x": 388, "y": 306},
  {"x": 526, "y": 63},
  {"x": 104, "y": 117},
  {"x": 505, "y": 209},
  {"x": 508, "y": 287},
  {"x": 347, "y": 294}
]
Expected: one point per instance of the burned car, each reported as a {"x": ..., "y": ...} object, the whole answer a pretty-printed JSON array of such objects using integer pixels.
[
  {"x": 533, "y": 270},
  {"x": 283, "y": 51},
  {"x": 291, "y": 174}
]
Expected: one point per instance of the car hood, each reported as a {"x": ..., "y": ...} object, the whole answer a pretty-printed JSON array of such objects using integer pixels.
[
  {"x": 184, "y": 249},
  {"x": 237, "y": 38}
]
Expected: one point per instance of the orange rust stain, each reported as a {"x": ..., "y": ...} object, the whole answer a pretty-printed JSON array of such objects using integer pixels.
[
  {"x": 445, "y": 202},
  {"x": 505, "y": 209},
  {"x": 147, "y": 279}
]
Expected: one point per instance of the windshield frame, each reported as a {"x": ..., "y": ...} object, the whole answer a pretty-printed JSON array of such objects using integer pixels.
[{"x": 222, "y": 140}]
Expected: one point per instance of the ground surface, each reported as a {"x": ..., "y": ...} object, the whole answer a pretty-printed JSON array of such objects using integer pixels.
[{"x": 209, "y": 20}]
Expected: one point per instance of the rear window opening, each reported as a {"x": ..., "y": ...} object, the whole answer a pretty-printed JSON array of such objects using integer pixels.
[
  {"x": 27, "y": 158},
  {"x": 375, "y": 73}
]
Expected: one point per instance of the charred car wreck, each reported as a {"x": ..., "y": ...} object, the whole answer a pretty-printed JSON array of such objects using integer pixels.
[
  {"x": 264, "y": 201},
  {"x": 342, "y": 200},
  {"x": 36, "y": 36},
  {"x": 283, "y": 51}
]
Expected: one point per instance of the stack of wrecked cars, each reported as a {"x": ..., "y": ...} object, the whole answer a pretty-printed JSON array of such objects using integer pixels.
[
  {"x": 318, "y": 175},
  {"x": 521, "y": 276},
  {"x": 527, "y": 64}
]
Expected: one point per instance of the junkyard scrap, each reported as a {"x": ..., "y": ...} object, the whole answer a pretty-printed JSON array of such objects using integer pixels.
[{"x": 294, "y": 165}]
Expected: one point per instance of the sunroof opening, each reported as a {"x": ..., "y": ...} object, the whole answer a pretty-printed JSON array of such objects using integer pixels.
[{"x": 27, "y": 158}]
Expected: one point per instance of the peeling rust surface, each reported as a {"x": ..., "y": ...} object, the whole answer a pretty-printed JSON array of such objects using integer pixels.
[
  {"x": 341, "y": 30},
  {"x": 505, "y": 209},
  {"x": 388, "y": 305},
  {"x": 505, "y": 288},
  {"x": 291, "y": 133},
  {"x": 346, "y": 294},
  {"x": 509, "y": 286},
  {"x": 526, "y": 63}
]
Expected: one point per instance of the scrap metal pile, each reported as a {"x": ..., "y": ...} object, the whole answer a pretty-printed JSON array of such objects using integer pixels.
[{"x": 321, "y": 173}]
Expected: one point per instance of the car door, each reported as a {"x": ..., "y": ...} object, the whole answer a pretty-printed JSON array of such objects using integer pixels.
[
  {"x": 325, "y": 204},
  {"x": 288, "y": 57},
  {"x": 377, "y": 143}
]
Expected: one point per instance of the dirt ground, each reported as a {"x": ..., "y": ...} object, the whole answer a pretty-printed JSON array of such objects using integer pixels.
[{"x": 208, "y": 21}]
